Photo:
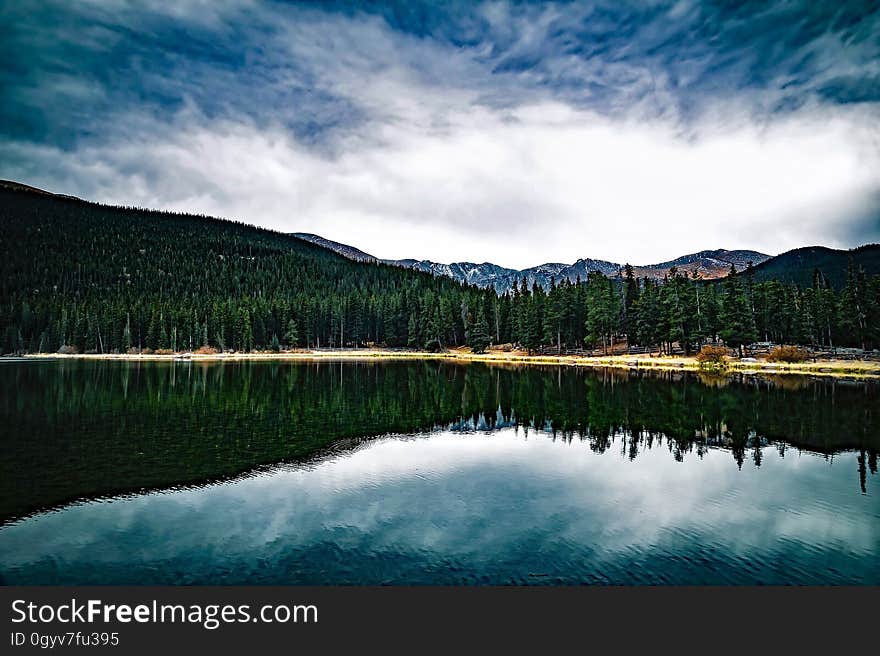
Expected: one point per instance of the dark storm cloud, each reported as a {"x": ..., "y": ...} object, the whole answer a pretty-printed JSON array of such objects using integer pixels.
[
  {"x": 864, "y": 226},
  {"x": 69, "y": 69}
]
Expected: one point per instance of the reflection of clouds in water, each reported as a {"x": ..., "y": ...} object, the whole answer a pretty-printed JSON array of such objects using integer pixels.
[{"x": 477, "y": 498}]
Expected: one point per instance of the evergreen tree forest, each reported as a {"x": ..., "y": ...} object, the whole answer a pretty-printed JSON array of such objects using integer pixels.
[{"x": 84, "y": 277}]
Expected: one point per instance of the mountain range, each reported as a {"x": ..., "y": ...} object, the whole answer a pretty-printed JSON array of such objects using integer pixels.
[
  {"x": 709, "y": 265},
  {"x": 798, "y": 266}
]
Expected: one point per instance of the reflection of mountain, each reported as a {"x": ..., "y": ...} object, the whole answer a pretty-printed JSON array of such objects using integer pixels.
[{"x": 86, "y": 429}]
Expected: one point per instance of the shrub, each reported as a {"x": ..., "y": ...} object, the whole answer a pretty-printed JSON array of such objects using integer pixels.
[
  {"x": 479, "y": 342},
  {"x": 133, "y": 350},
  {"x": 788, "y": 354},
  {"x": 712, "y": 356},
  {"x": 433, "y": 346},
  {"x": 67, "y": 349},
  {"x": 164, "y": 352},
  {"x": 206, "y": 350}
]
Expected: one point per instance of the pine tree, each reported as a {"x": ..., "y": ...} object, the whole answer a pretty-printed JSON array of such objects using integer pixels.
[
  {"x": 674, "y": 310},
  {"x": 478, "y": 335},
  {"x": 630, "y": 302},
  {"x": 126, "y": 334},
  {"x": 854, "y": 305},
  {"x": 602, "y": 311},
  {"x": 736, "y": 315},
  {"x": 291, "y": 333},
  {"x": 412, "y": 331},
  {"x": 553, "y": 309},
  {"x": 533, "y": 318},
  {"x": 164, "y": 341},
  {"x": 153, "y": 331}
]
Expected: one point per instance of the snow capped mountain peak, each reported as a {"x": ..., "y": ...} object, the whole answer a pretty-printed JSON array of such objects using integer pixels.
[
  {"x": 708, "y": 264},
  {"x": 350, "y": 252}
]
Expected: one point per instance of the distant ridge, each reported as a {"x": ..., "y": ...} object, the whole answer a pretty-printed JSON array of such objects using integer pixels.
[
  {"x": 18, "y": 186},
  {"x": 710, "y": 264},
  {"x": 801, "y": 264},
  {"x": 350, "y": 252}
]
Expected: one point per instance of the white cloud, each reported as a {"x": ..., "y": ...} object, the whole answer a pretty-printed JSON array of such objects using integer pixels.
[{"x": 542, "y": 183}]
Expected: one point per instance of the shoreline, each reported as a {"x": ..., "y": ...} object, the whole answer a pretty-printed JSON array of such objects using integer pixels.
[{"x": 841, "y": 368}]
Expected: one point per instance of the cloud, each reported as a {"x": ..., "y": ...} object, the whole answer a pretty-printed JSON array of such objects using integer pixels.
[
  {"x": 428, "y": 500},
  {"x": 512, "y": 132}
]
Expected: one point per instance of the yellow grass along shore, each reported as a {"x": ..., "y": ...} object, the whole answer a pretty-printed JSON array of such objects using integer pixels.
[{"x": 822, "y": 367}]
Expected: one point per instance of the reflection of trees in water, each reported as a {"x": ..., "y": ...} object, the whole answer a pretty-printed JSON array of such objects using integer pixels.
[
  {"x": 744, "y": 414},
  {"x": 74, "y": 429},
  {"x": 867, "y": 461}
]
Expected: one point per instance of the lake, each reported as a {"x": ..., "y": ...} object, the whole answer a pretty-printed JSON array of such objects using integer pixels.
[{"x": 431, "y": 472}]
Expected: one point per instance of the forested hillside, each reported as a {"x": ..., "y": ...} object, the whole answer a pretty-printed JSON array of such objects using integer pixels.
[
  {"x": 78, "y": 276},
  {"x": 105, "y": 279},
  {"x": 800, "y": 265}
]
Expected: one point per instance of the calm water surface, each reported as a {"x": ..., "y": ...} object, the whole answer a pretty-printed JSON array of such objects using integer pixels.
[{"x": 425, "y": 472}]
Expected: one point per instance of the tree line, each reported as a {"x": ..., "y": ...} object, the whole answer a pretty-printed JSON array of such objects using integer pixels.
[
  {"x": 688, "y": 311},
  {"x": 84, "y": 277}
]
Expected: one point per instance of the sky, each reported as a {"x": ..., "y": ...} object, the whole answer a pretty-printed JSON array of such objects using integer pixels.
[{"x": 512, "y": 132}]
